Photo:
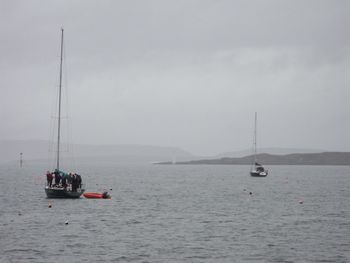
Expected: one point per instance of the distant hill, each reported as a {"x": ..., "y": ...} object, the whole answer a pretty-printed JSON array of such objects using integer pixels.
[
  {"x": 325, "y": 158},
  {"x": 42, "y": 150},
  {"x": 273, "y": 151}
]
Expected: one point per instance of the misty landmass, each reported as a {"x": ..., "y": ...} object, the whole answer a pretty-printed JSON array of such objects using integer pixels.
[
  {"x": 273, "y": 151},
  {"x": 40, "y": 150},
  {"x": 325, "y": 158}
]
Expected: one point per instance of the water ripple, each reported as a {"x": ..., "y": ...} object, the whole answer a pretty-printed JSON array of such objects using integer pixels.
[{"x": 181, "y": 214}]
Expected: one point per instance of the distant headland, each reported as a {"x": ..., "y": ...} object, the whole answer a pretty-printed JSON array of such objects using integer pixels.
[{"x": 324, "y": 158}]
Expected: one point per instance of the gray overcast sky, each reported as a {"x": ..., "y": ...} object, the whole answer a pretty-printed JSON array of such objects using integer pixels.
[{"x": 180, "y": 73}]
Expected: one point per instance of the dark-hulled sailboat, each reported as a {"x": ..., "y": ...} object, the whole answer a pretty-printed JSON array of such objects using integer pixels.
[
  {"x": 75, "y": 190},
  {"x": 257, "y": 169}
]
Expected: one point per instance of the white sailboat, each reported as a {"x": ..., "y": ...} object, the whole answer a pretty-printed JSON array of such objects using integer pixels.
[
  {"x": 257, "y": 169},
  {"x": 63, "y": 190}
]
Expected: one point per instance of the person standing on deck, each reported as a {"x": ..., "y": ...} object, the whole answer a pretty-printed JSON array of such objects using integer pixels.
[
  {"x": 49, "y": 178},
  {"x": 57, "y": 177},
  {"x": 69, "y": 180},
  {"x": 64, "y": 180},
  {"x": 74, "y": 183},
  {"x": 78, "y": 180}
]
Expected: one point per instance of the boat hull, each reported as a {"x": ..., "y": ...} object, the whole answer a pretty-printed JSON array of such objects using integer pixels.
[
  {"x": 53, "y": 192},
  {"x": 258, "y": 174}
]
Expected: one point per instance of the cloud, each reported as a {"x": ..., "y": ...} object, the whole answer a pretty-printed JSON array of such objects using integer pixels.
[{"x": 184, "y": 73}]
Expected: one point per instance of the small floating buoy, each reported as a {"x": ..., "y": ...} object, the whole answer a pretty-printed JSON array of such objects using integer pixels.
[
  {"x": 301, "y": 201},
  {"x": 49, "y": 205},
  {"x": 250, "y": 193},
  {"x": 66, "y": 223}
]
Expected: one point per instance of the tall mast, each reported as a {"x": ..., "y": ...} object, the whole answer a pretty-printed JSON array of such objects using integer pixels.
[
  {"x": 255, "y": 122},
  {"x": 59, "y": 105}
]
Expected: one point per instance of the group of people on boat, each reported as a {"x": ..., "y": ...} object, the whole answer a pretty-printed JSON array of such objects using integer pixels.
[{"x": 60, "y": 179}]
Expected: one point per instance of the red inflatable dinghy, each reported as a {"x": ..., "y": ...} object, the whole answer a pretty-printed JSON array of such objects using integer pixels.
[{"x": 96, "y": 195}]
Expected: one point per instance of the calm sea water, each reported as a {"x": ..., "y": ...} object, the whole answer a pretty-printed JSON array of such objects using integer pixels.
[{"x": 179, "y": 214}]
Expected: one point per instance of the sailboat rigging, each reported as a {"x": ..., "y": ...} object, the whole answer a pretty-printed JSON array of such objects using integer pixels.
[
  {"x": 66, "y": 185},
  {"x": 257, "y": 169}
]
